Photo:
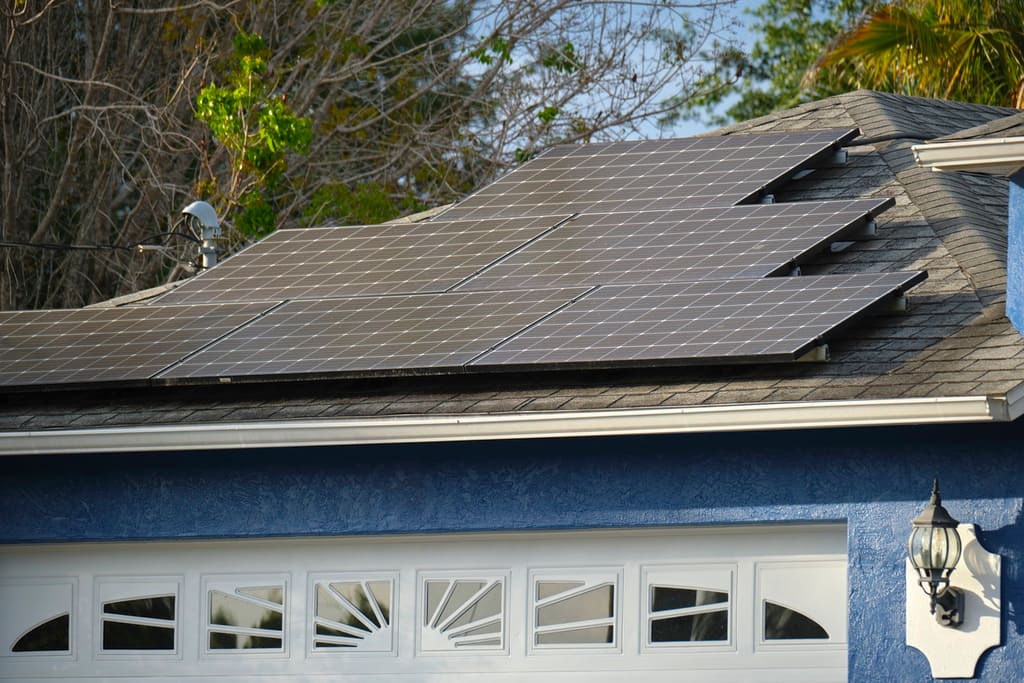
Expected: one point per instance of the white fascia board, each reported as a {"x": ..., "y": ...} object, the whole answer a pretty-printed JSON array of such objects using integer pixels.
[
  {"x": 1000, "y": 156},
  {"x": 1014, "y": 402},
  {"x": 555, "y": 424}
]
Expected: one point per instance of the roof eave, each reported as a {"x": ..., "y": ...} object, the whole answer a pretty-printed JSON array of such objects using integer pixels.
[
  {"x": 479, "y": 427},
  {"x": 997, "y": 156}
]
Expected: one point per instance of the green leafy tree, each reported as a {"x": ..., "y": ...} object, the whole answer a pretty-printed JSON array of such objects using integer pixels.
[
  {"x": 789, "y": 38},
  {"x": 968, "y": 50},
  {"x": 116, "y": 115},
  {"x": 257, "y": 128}
]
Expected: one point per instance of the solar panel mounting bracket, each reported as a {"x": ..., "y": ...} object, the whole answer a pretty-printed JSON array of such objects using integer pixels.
[
  {"x": 898, "y": 303},
  {"x": 817, "y": 354}
]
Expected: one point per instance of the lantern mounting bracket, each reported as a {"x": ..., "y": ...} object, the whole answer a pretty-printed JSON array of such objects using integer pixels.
[{"x": 948, "y": 607}]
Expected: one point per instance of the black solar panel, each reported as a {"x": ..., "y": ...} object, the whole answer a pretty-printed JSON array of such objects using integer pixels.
[
  {"x": 686, "y": 173},
  {"x": 745, "y": 241},
  {"x": 391, "y": 258},
  {"x": 767, "y": 319},
  {"x": 108, "y": 344},
  {"x": 373, "y": 334}
]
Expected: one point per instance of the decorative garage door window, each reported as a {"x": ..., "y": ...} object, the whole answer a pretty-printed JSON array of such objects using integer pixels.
[
  {"x": 244, "y": 613},
  {"x": 352, "y": 612},
  {"x": 688, "y": 607},
  {"x": 37, "y": 616},
  {"x": 138, "y": 615},
  {"x": 665, "y": 605},
  {"x": 462, "y": 611},
  {"x": 573, "y": 608}
]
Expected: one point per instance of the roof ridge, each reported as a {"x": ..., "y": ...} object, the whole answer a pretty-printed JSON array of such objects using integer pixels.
[{"x": 967, "y": 212}]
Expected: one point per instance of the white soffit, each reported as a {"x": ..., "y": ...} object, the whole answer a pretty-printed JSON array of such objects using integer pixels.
[
  {"x": 525, "y": 425},
  {"x": 998, "y": 156}
]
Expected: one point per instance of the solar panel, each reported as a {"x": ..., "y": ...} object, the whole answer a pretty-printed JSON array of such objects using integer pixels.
[
  {"x": 767, "y": 319},
  {"x": 391, "y": 258},
  {"x": 743, "y": 241},
  {"x": 373, "y": 334},
  {"x": 108, "y": 344},
  {"x": 651, "y": 174}
]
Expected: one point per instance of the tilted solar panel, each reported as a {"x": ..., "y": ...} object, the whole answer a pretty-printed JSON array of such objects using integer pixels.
[
  {"x": 727, "y": 321},
  {"x": 765, "y": 319},
  {"x": 743, "y": 241},
  {"x": 651, "y": 175},
  {"x": 362, "y": 260},
  {"x": 109, "y": 344},
  {"x": 373, "y": 334}
]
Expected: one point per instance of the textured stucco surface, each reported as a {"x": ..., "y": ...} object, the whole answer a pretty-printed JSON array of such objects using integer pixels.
[
  {"x": 1015, "y": 254},
  {"x": 876, "y": 480}
]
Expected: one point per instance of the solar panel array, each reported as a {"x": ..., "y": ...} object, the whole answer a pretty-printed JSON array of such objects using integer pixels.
[{"x": 633, "y": 253}]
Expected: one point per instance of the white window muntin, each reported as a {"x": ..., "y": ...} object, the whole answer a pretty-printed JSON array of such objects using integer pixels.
[
  {"x": 444, "y": 614},
  {"x": 699, "y": 577},
  {"x": 110, "y": 589},
  {"x": 243, "y": 590},
  {"x": 589, "y": 589},
  {"x": 377, "y": 624}
]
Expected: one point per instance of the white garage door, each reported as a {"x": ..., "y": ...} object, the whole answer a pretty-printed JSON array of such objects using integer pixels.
[{"x": 715, "y": 604}]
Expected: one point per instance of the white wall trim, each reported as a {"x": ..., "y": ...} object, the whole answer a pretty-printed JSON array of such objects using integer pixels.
[{"x": 429, "y": 428}]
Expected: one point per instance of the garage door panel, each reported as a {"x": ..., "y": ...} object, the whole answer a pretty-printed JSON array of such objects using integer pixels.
[{"x": 665, "y": 604}]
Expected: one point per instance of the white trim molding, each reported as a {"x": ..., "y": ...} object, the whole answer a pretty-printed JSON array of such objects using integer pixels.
[
  {"x": 998, "y": 156},
  {"x": 523, "y": 425}
]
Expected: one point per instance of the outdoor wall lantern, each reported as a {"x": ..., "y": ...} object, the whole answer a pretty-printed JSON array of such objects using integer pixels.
[
  {"x": 934, "y": 548},
  {"x": 973, "y": 608}
]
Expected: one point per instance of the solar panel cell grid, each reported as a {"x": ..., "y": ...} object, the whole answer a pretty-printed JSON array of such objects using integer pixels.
[
  {"x": 684, "y": 173},
  {"x": 730, "y": 242},
  {"x": 108, "y": 344},
  {"x": 729, "y": 320},
  {"x": 362, "y": 260},
  {"x": 374, "y": 334}
]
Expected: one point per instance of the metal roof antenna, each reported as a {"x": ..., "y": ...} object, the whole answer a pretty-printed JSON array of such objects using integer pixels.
[{"x": 204, "y": 214}]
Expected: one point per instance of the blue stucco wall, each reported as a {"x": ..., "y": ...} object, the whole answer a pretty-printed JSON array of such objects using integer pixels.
[
  {"x": 874, "y": 479},
  {"x": 1015, "y": 253}
]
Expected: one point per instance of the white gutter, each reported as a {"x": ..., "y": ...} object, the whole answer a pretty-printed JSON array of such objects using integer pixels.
[
  {"x": 424, "y": 429},
  {"x": 1003, "y": 156}
]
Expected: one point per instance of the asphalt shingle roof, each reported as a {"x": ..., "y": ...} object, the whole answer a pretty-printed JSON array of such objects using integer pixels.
[{"x": 954, "y": 341}]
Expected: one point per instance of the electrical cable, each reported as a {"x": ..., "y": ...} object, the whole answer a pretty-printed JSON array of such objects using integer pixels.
[{"x": 53, "y": 246}]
